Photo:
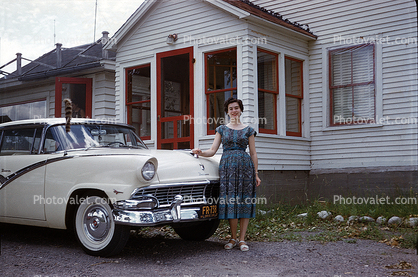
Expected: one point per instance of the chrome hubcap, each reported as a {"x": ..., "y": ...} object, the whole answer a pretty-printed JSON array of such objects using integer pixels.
[{"x": 97, "y": 223}]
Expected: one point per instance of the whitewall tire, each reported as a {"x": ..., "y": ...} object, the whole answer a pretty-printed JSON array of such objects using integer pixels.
[{"x": 96, "y": 230}]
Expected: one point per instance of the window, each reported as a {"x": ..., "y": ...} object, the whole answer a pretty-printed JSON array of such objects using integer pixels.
[
  {"x": 268, "y": 90},
  {"x": 352, "y": 85},
  {"x": 294, "y": 96},
  {"x": 21, "y": 141},
  {"x": 138, "y": 99},
  {"x": 221, "y": 84},
  {"x": 25, "y": 110}
]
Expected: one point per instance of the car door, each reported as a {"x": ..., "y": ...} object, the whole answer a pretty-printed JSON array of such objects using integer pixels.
[{"x": 22, "y": 173}]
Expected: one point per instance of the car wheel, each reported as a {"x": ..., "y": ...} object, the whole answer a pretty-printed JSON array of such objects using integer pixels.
[
  {"x": 197, "y": 231},
  {"x": 96, "y": 230}
]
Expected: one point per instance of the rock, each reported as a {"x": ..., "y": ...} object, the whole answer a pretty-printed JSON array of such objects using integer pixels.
[
  {"x": 352, "y": 218},
  {"x": 339, "y": 218},
  {"x": 413, "y": 221},
  {"x": 394, "y": 220},
  {"x": 381, "y": 220},
  {"x": 262, "y": 212},
  {"x": 303, "y": 215},
  {"x": 323, "y": 214},
  {"x": 366, "y": 219}
]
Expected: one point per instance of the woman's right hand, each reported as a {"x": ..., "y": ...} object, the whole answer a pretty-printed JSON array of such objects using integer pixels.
[{"x": 197, "y": 151}]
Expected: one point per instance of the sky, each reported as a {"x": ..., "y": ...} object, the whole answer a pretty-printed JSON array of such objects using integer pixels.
[{"x": 27, "y": 26}]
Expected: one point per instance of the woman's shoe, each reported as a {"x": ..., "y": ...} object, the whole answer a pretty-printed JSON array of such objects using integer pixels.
[
  {"x": 231, "y": 244},
  {"x": 243, "y": 246}
]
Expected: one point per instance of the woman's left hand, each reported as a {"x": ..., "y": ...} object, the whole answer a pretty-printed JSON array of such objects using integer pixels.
[{"x": 257, "y": 180}]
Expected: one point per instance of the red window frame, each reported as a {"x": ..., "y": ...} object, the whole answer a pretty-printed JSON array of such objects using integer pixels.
[
  {"x": 69, "y": 80},
  {"x": 275, "y": 92},
  {"x": 130, "y": 104},
  {"x": 299, "y": 98},
  {"x": 208, "y": 92},
  {"x": 352, "y": 84}
]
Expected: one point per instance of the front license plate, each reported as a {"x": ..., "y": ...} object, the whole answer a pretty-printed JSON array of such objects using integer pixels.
[{"x": 208, "y": 211}]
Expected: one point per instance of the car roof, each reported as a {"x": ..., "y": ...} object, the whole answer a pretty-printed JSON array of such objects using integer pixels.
[{"x": 57, "y": 121}]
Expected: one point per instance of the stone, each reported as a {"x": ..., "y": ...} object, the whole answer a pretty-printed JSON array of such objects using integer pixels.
[
  {"x": 366, "y": 219},
  {"x": 262, "y": 212},
  {"x": 413, "y": 221},
  {"x": 339, "y": 218},
  {"x": 352, "y": 218},
  {"x": 394, "y": 220},
  {"x": 381, "y": 220},
  {"x": 323, "y": 214}
]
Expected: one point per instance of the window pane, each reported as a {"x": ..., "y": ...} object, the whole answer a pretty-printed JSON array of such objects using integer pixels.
[
  {"x": 139, "y": 84},
  {"x": 23, "y": 111},
  {"x": 292, "y": 115},
  {"x": 221, "y": 70},
  {"x": 293, "y": 77},
  {"x": 363, "y": 104},
  {"x": 294, "y": 90},
  {"x": 216, "y": 108},
  {"x": 266, "y": 71},
  {"x": 140, "y": 115},
  {"x": 77, "y": 94},
  {"x": 139, "y": 90},
  {"x": 266, "y": 110},
  {"x": 342, "y": 104},
  {"x": 18, "y": 142}
]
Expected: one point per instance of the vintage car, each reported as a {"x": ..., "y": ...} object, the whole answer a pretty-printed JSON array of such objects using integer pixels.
[{"x": 99, "y": 179}]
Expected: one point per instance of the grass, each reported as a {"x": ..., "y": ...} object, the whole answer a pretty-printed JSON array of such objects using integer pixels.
[{"x": 281, "y": 222}]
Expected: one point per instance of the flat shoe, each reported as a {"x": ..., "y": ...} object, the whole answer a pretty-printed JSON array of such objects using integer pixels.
[
  {"x": 243, "y": 247},
  {"x": 230, "y": 244}
]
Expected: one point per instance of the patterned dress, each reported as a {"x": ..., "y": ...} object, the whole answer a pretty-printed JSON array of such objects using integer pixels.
[{"x": 237, "y": 174}]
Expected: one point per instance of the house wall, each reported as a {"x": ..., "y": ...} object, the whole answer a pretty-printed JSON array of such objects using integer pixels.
[{"x": 372, "y": 158}]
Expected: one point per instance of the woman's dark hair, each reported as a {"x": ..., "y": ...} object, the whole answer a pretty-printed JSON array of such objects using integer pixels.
[{"x": 233, "y": 100}]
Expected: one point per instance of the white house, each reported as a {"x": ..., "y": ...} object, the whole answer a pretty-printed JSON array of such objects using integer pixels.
[{"x": 333, "y": 97}]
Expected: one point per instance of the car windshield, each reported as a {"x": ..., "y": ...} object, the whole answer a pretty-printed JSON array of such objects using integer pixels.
[{"x": 90, "y": 135}]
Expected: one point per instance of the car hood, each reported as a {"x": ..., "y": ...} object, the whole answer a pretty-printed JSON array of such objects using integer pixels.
[
  {"x": 174, "y": 166},
  {"x": 180, "y": 166}
]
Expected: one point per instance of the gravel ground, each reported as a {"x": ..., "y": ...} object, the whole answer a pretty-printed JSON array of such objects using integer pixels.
[{"x": 30, "y": 251}]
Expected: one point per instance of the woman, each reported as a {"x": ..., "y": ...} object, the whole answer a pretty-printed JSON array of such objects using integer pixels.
[{"x": 237, "y": 171}]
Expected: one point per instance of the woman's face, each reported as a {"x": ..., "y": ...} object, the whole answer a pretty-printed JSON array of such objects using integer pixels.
[{"x": 234, "y": 111}]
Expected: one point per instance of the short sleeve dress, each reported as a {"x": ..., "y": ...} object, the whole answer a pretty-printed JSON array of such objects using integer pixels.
[{"x": 237, "y": 192}]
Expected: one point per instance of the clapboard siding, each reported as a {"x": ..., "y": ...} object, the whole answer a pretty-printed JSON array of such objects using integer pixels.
[{"x": 387, "y": 145}]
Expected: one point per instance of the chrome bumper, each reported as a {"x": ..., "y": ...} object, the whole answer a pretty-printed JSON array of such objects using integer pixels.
[
  {"x": 150, "y": 218},
  {"x": 173, "y": 214}
]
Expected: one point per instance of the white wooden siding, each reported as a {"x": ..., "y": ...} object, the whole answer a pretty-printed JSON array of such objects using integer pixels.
[{"x": 386, "y": 145}]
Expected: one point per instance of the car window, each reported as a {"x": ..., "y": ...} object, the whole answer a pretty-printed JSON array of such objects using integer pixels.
[
  {"x": 89, "y": 135},
  {"x": 23, "y": 141}
]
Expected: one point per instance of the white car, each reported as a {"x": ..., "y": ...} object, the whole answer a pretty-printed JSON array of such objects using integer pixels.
[{"x": 101, "y": 180}]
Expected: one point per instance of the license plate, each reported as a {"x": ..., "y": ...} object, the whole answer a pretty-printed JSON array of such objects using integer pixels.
[{"x": 208, "y": 211}]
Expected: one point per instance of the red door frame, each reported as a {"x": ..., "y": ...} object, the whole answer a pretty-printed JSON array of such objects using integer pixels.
[
  {"x": 188, "y": 50},
  {"x": 69, "y": 80}
]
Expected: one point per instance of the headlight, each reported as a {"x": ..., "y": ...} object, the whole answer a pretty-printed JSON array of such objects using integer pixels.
[{"x": 148, "y": 171}]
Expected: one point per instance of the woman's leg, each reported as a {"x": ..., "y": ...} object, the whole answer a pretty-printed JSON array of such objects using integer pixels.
[
  {"x": 243, "y": 224},
  {"x": 233, "y": 224}
]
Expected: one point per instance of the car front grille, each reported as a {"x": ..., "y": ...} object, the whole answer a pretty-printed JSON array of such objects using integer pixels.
[{"x": 193, "y": 193}]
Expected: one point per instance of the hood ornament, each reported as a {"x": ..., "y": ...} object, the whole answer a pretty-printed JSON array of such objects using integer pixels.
[{"x": 202, "y": 166}]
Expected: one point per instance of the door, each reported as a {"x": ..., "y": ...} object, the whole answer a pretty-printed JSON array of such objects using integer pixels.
[
  {"x": 175, "y": 99},
  {"x": 79, "y": 90}
]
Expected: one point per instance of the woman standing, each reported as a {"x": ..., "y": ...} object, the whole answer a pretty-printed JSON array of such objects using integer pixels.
[{"x": 237, "y": 171}]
